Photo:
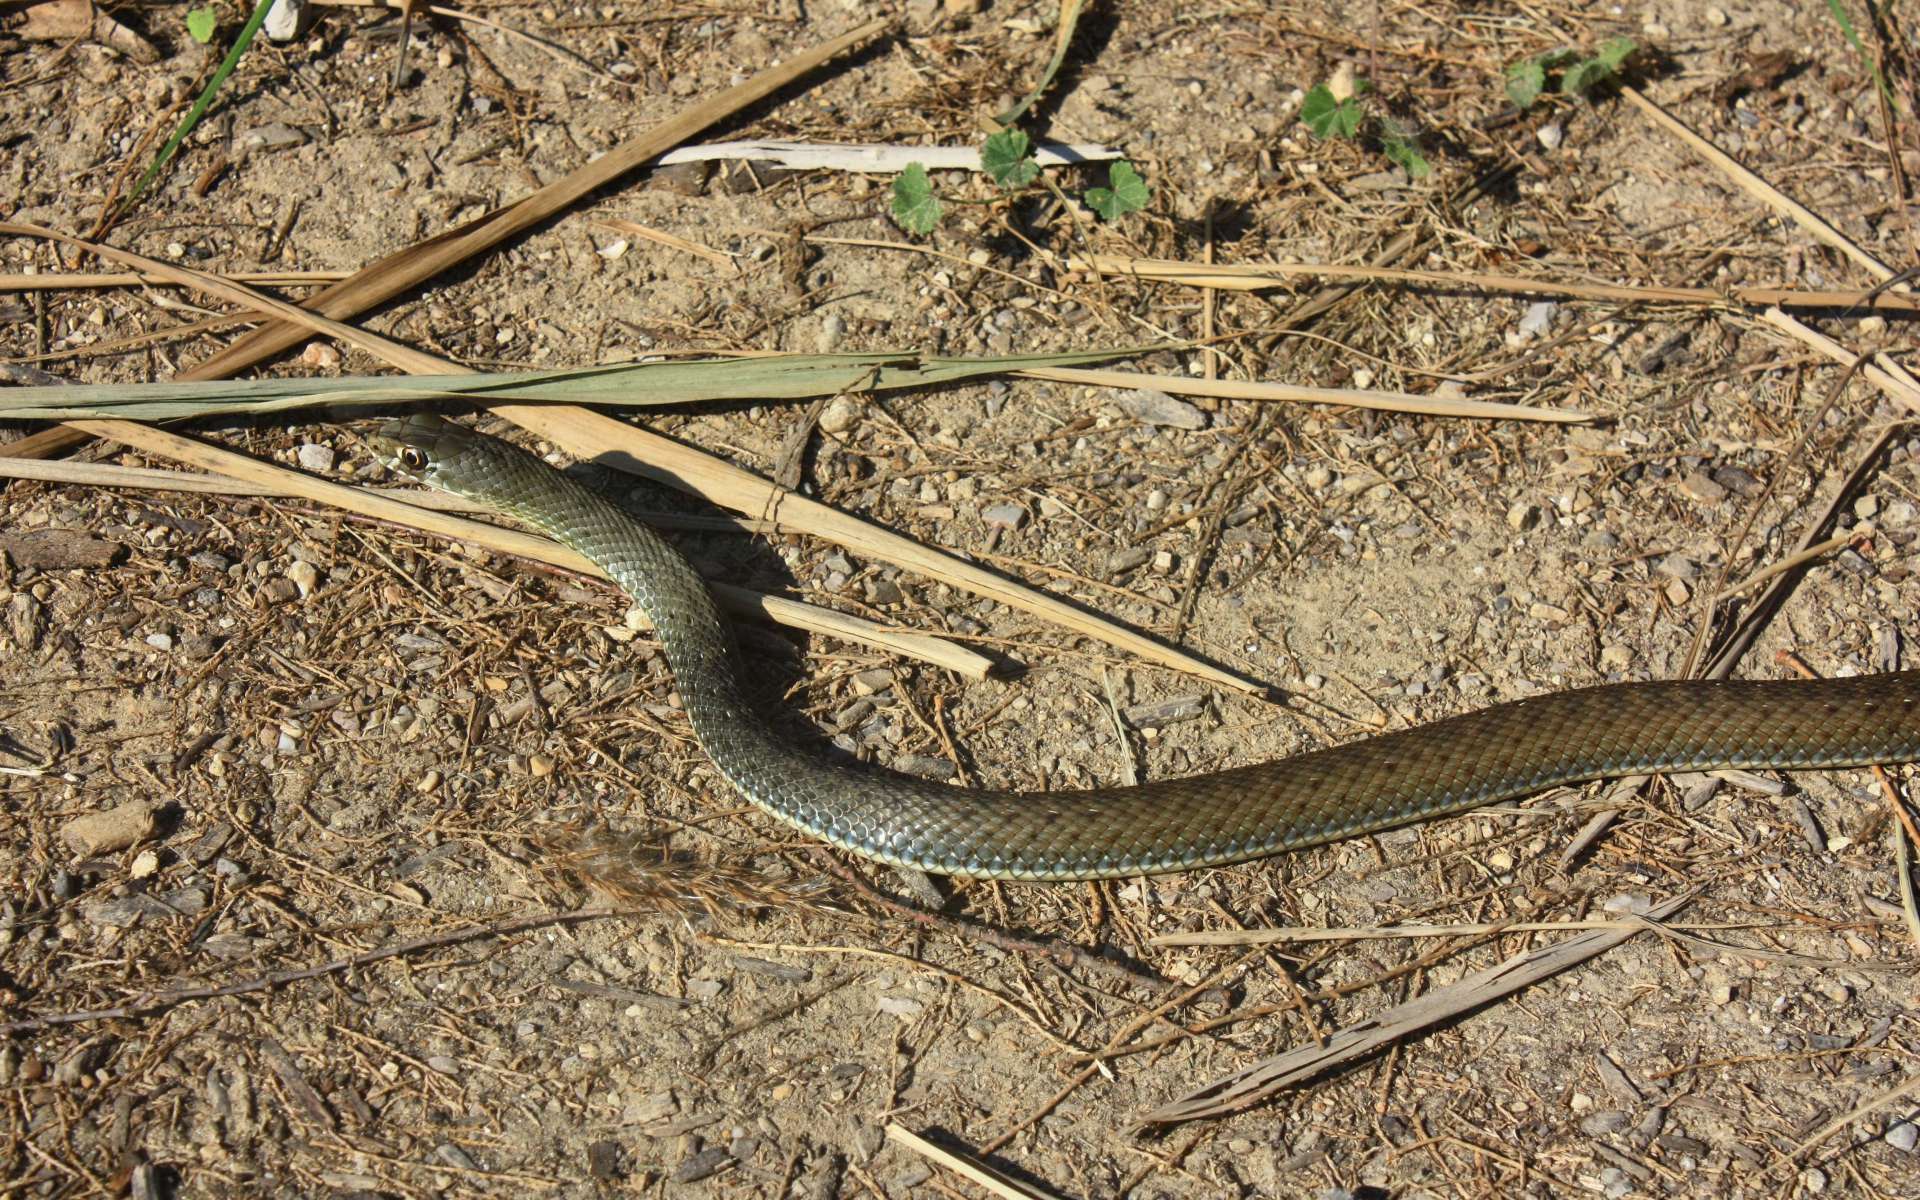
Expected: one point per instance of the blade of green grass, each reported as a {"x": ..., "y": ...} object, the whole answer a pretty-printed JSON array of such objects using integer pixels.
[
  {"x": 201, "y": 105},
  {"x": 629, "y": 385},
  {"x": 1872, "y": 64},
  {"x": 1069, "y": 20}
]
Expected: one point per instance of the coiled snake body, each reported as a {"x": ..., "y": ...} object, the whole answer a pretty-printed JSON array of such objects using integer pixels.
[{"x": 1229, "y": 816}]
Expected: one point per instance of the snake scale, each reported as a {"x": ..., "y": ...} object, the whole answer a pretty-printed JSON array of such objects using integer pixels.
[{"x": 1229, "y": 816}]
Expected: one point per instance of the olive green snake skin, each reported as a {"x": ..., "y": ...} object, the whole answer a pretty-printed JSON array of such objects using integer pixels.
[{"x": 1229, "y": 816}]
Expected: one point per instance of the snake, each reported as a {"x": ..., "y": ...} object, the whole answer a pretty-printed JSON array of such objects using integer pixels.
[{"x": 1376, "y": 783}]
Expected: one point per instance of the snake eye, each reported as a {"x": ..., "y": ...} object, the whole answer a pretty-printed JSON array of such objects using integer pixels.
[{"x": 413, "y": 458}]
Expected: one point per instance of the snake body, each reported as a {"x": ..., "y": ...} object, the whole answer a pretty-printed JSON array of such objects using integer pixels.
[{"x": 1483, "y": 757}]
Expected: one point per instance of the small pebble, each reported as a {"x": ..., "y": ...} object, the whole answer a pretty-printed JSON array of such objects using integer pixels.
[
  {"x": 699, "y": 1166},
  {"x": 1158, "y": 408},
  {"x": 316, "y": 458},
  {"x": 304, "y": 576},
  {"x": 870, "y": 683},
  {"x": 1004, "y": 516},
  {"x": 1551, "y": 135},
  {"x": 833, "y": 327},
  {"x": 840, "y": 414},
  {"x": 1902, "y": 1135},
  {"x": 1698, "y": 485},
  {"x": 115, "y": 829},
  {"x": 1677, "y": 566},
  {"x": 159, "y": 641},
  {"x": 1537, "y": 321},
  {"x": 1523, "y": 516}
]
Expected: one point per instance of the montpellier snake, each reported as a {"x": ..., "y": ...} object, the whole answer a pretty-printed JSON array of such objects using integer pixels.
[{"x": 1229, "y": 816}]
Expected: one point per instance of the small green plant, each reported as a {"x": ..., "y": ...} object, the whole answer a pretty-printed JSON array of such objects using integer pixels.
[
  {"x": 1126, "y": 193},
  {"x": 1007, "y": 159},
  {"x": 1334, "y": 117},
  {"x": 1579, "y": 76},
  {"x": 1346, "y": 118},
  {"x": 201, "y": 22},
  {"x": 915, "y": 206}
]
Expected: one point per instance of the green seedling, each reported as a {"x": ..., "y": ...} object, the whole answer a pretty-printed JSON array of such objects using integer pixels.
[
  {"x": 1347, "y": 119},
  {"x": 1007, "y": 159},
  {"x": 1126, "y": 192},
  {"x": 1579, "y": 76},
  {"x": 201, "y": 22},
  {"x": 915, "y": 206}
]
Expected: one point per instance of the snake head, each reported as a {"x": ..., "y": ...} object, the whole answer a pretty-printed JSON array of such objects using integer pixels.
[{"x": 421, "y": 445}]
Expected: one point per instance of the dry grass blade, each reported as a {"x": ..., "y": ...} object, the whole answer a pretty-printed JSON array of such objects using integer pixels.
[
  {"x": 878, "y": 159},
  {"x": 660, "y": 237},
  {"x": 1062, "y": 38},
  {"x": 1894, "y": 385},
  {"x": 59, "y": 470},
  {"x": 1759, "y": 188},
  {"x": 79, "y": 281},
  {"x": 1366, "y": 933},
  {"x": 967, "y": 1166},
  {"x": 1235, "y": 389},
  {"x": 1254, "y": 277},
  {"x": 623, "y": 385},
  {"x": 509, "y": 541},
  {"x": 1252, "y": 1084},
  {"x": 1892, "y": 1095}
]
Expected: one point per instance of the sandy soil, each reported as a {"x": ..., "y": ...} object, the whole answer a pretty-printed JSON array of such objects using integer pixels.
[{"x": 360, "y": 738}]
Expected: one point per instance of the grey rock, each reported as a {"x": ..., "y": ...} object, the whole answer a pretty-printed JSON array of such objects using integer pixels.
[
  {"x": 925, "y": 766},
  {"x": 1158, "y": 408},
  {"x": 1677, "y": 566},
  {"x": 277, "y": 136},
  {"x": 1902, "y": 1135},
  {"x": 1004, "y": 516},
  {"x": 1165, "y": 712},
  {"x": 316, "y": 458}
]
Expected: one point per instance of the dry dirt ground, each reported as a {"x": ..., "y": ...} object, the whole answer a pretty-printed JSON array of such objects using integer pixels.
[{"x": 362, "y": 737}]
